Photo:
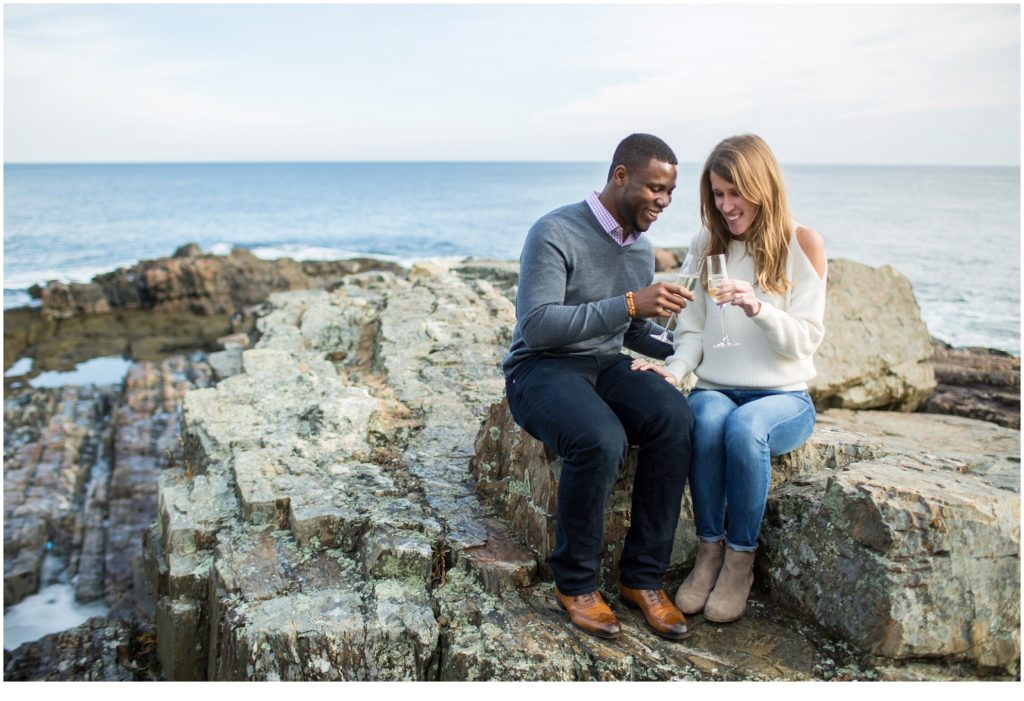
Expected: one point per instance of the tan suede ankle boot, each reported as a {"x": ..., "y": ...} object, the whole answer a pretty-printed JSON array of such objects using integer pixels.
[
  {"x": 728, "y": 600},
  {"x": 693, "y": 592}
]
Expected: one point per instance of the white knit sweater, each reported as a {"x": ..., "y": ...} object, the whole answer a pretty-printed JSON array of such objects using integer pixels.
[{"x": 776, "y": 346}]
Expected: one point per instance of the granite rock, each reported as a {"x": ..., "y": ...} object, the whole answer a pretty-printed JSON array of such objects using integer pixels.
[
  {"x": 911, "y": 555},
  {"x": 877, "y": 352},
  {"x": 308, "y": 537}
]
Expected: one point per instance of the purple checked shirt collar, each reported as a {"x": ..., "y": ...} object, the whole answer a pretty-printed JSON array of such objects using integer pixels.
[{"x": 611, "y": 227}]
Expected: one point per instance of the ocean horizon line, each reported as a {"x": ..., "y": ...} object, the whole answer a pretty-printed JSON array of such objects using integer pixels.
[{"x": 19, "y": 164}]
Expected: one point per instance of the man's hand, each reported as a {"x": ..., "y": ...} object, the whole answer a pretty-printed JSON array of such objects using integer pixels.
[
  {"x": 661, "y": 299},
  {"x": 641, "y": 364}
]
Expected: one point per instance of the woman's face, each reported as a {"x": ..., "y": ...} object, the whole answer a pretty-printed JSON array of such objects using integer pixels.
[{"x": 738, "y": 213}]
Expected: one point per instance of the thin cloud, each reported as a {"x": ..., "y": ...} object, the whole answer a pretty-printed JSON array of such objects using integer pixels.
[
  {"x": 786, "y": 61},
  {"x": 522, "y": 82},
  {"x": 74, "y": 81}
]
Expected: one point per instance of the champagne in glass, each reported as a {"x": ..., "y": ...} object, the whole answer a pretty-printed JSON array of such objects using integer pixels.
[
  {"x": 717, "y": 274},
  {"x": 686, "y": 277},
  {"x": 713, "y": 282}
]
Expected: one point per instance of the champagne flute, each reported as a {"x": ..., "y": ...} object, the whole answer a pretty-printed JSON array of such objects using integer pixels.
[
  {"x": 686, "y": 277},
  {"x": 717, "y": 274}
]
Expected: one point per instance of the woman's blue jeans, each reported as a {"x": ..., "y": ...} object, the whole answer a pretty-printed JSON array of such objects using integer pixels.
[{"x": 736, "y": 434}]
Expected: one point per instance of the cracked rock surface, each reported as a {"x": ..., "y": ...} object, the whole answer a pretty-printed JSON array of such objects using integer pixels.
[
  {"x": 352, "y": 501},
  {"x": 324, "y": 495},
  {"x": 324, "y": 522},
  {"x": 81, "y": 465}
]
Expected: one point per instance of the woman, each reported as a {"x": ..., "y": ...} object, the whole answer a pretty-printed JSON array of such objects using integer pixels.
[{"x": 750, "y": 401}]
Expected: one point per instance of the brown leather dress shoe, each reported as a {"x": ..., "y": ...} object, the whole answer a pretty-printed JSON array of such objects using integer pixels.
[
  {"x": 591, "y": 614},
  {"x": 661, "y": 615}
]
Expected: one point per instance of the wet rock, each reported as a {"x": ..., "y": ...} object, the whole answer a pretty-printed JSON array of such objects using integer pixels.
[
  {"x": 59, "y": 345},
  {"x": 81, "y": 467},
  {"x": 144, "y": 443},
  {"x": 52, "y": 439},
  {"x": 98, "y": 650},
  {"x": 979, "y": 383}
]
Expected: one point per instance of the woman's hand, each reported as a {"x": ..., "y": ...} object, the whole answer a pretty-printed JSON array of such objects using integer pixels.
[
  {"x": 640, "y": 364},
  {"x": 739, "y": 293}
]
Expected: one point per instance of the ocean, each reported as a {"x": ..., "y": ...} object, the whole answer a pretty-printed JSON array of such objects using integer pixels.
[{"x": 946, "y": 228}]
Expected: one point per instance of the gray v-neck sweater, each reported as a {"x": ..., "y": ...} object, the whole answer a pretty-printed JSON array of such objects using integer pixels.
[{"x": 573, "y": 278}]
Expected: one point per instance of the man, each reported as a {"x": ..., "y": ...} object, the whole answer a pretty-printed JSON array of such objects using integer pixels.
[{"x": 584, "y": 292}]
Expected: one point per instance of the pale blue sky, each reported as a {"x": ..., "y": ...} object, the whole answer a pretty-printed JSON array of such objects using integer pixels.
[{"x": 922, "y": 84}]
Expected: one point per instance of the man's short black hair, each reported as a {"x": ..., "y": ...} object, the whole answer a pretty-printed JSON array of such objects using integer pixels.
[{"x": 637, "y": 150}]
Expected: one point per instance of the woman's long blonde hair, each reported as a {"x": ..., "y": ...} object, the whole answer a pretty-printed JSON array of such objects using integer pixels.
[{"x": 747, "y": 162}]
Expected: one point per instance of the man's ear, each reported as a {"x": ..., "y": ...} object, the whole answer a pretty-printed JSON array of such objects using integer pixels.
[{"x": 619, "y": 174}]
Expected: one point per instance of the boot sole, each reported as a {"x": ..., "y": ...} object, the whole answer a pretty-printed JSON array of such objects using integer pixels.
[
  {"x": 667, "y": 636},
  {"x": 724, "y": 620}
]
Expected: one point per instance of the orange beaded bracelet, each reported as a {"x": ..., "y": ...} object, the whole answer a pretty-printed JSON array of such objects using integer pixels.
[{"x": 630, "y": 305}]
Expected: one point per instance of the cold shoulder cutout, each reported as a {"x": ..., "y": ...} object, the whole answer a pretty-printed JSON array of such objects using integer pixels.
[{"x": 813, "y": 246}]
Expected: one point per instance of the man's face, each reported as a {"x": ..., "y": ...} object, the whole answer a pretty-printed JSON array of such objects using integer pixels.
[{"x": 644, "y": 193}]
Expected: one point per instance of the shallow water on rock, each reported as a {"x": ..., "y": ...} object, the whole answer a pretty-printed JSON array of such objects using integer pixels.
[
  {"x": 22, "y": 367},
  {"x": 109, "y": 370},
  {"x": 50, "y": 610}
]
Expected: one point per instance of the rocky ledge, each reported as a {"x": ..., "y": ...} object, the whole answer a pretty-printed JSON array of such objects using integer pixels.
[
  {"x": 352, "y": 501},
  {"x": 980, "y": 383},
  {"x": 193, "y": 281},
  {"x": 325, "y": 523}
]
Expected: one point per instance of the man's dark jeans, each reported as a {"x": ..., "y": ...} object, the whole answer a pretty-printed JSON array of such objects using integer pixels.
[{"x": 590, "y": 410}]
